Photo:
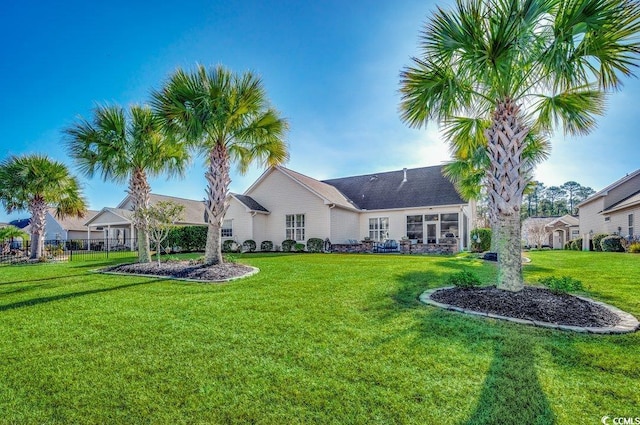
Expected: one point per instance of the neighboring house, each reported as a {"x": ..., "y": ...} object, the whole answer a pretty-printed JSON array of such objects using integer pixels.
[
  {"x": 69, "y": 228},
  {"x": 419, "y": 204},
  {"x": 21, "y": 223},
  {"x": 614, "y": 209},
  {"x": 116, "y": 224},
  {"x": 563, "y": 229},
  {"x": 535, "y": 232}
]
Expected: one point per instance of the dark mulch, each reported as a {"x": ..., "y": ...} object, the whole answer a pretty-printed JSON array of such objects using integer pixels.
[
  {"x": 184, "y": 270},
  {"x": 531, "y": 303}
]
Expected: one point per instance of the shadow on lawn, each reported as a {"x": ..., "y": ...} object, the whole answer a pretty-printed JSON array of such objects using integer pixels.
[
  {"x": 511, "y": 392},
  {"x": 43, "y": 300}
]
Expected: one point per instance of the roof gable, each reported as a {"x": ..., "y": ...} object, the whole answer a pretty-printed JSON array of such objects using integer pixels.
[
  {"x": 612, "y": 186},
  {"x": 423, "y": 187},
  {"x": 73, "y": 222}
]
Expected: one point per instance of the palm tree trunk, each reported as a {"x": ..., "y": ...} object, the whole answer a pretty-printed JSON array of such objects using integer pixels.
[
  {"x": 140, "y": 190},
  {"x": 218, "y": 184},
  {"x": 506, "y": 184},
  {"x": 38, "y": 209}
]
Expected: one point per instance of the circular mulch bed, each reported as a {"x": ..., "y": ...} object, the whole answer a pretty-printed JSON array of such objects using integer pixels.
[
  {"x": 186, "y": 270},
  {"x": 535, "y": 304}
]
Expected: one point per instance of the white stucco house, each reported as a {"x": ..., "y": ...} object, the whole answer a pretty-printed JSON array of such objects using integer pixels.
[
  {"x": 116, "y": 224},
  {"x": 68, "y": 228},
  {"x": 419, "y": 204},
  {"x": 614, "y": 209}
]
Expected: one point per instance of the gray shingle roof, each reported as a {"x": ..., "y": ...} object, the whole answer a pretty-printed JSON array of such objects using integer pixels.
[
  {"x": 249, "y": 202},
  {"x": 425, "y": 186}
]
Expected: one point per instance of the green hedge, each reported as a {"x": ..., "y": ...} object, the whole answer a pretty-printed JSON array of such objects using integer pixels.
[
  {"x": 266, "y": 246},
  {"x": 597, "y": 241},
  {"x": 315, "y": 245},
  {"x": 188, "y": 238},
  {"x": 288, "y": 245},
  {"x": 612, "y": 243}
]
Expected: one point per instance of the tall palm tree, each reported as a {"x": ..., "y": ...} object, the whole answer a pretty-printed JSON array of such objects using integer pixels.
[
  {"x": 131, "y": 147},
  {"x": 35, "y": 183},
  {"x": 7, "y": 235},
  {"x": 524, "y": 65},
  {"x": 227, "y": 118},
  {"x": 470, "y": 165}
]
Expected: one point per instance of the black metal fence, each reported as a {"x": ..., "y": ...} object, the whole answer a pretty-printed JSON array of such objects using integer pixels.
[{"x": 18, "y": 251}]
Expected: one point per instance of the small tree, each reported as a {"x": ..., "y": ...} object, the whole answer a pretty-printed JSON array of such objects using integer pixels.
[
  {"x": 537, "y": 232},
  {"x": 161, "y": 218},
  {"x": 7, "y": 234}
]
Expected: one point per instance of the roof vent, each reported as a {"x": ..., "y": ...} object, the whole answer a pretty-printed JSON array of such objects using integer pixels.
[
  {"x": 372, "y": 178},
  {"x": 404, "y": 180}
]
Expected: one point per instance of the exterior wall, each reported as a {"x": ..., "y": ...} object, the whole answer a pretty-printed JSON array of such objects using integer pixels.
[
  {"x": 345, "y": 225},
  {"x": 398, "y": 220},
  {"x": 281, "y": 195},
  {"x": 622, "y": 191},
  {"x": 242, "y": 223},
  {"x": 105, "y": 218},
  {"x": 621, "y": 219},
  {"x": 82, "y": 234},
  {"x": 52, "y": 229},
  {"x": 590, "y": 218},
  {"x": 260, "y": 229}
]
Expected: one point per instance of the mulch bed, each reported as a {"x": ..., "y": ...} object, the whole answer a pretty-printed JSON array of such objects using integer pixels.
[
  {"x": 184, "y": 270},
  {"x": 531, "y": 303}
]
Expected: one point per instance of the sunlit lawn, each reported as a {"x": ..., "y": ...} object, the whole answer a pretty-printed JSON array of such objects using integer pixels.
[{"x": 310, "y": 339}]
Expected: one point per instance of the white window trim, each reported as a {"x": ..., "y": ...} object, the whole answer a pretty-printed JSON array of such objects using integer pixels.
[
  {"x": 296, "y": 229},
  {"x": 223, "y": 228}
]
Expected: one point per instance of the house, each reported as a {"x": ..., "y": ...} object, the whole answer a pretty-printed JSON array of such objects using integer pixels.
[
  {"x": 552, "y": 232},
  {"x": 418, "y": 204},
  {"x": 116, "y": 224},
  {"x": 613, "y": 210},
  {"x": 68, "y": 228}
]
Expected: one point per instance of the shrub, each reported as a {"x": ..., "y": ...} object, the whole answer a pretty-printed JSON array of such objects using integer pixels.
[
  {"x": 299, "y": 247},
  {"x": 266, "y": 246},
  {"x": 188, "y": 238},
  {"x": 567, "y": 245},
  {"x": 230, "y": 246},
  {"x": 634, "y": 247},
  {"x": 612, "y": 243},
  {"x": 249, "y": 245},
  {"x": 464, "y": 279},
  {"x": 480, "y": 239},
  {"x": 315, "y": 245},
  {"x": 597, "y": 241},
  {"x": 576, "y": 244},
  {"x": 288, "y": 244},
  {"x": 561, "y": 285}
]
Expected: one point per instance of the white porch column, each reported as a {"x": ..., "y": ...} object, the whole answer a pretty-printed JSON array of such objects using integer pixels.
[{"x": 133, "y": 235}]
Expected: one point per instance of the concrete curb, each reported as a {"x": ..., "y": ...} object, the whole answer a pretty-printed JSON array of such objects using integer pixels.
[{"x": 627, "y": 324}]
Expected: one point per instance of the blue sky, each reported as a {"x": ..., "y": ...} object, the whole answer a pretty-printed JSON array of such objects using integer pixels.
[{"x": 330, "y": 67}]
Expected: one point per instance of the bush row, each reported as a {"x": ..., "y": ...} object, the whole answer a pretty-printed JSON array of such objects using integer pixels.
[
  {"x": 604, "y": 243},
  {"x": 288, "y": 245}
]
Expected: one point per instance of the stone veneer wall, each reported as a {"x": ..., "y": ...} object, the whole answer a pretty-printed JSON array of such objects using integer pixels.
[{"x": 446, "y": 246}]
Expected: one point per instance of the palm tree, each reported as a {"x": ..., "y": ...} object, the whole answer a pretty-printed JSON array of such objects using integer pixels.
[
  {"x": 468, "y": 170},
  {"x": 526, "y": 66},
  {"x": 227, "y": 118},
  {"x": 131, "y": 147},
  {"x": 35, "y": 183},
  {"x": 7, "y": 235}
]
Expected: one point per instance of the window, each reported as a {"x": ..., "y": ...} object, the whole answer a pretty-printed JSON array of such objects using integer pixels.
[
  {"x": 294, "y": 227},
  {"x": 227, "y": 229},
  {"x": 449, "y": 225},
  {"x": 414, "y": 227},
  {"x": 378, "y": 228},
  {"x": 630, "y": 224},
  {"x": 607, "y": 219}
]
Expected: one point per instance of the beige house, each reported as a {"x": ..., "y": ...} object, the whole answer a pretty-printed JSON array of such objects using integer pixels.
[
  {"x": 418, "y": 204},
  {"x": 613, "y": 210},
  {"x": 68, "y": 228},
  {"x": 115, "y": 225}
]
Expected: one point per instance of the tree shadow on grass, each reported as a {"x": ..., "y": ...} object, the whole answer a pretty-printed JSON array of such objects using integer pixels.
[
  {"x": 512, "y": 393},
  {"x": 44, "y": 300}
]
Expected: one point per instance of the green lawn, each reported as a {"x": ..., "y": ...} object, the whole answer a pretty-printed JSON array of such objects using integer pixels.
[{"x": 327, "y": 339}]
